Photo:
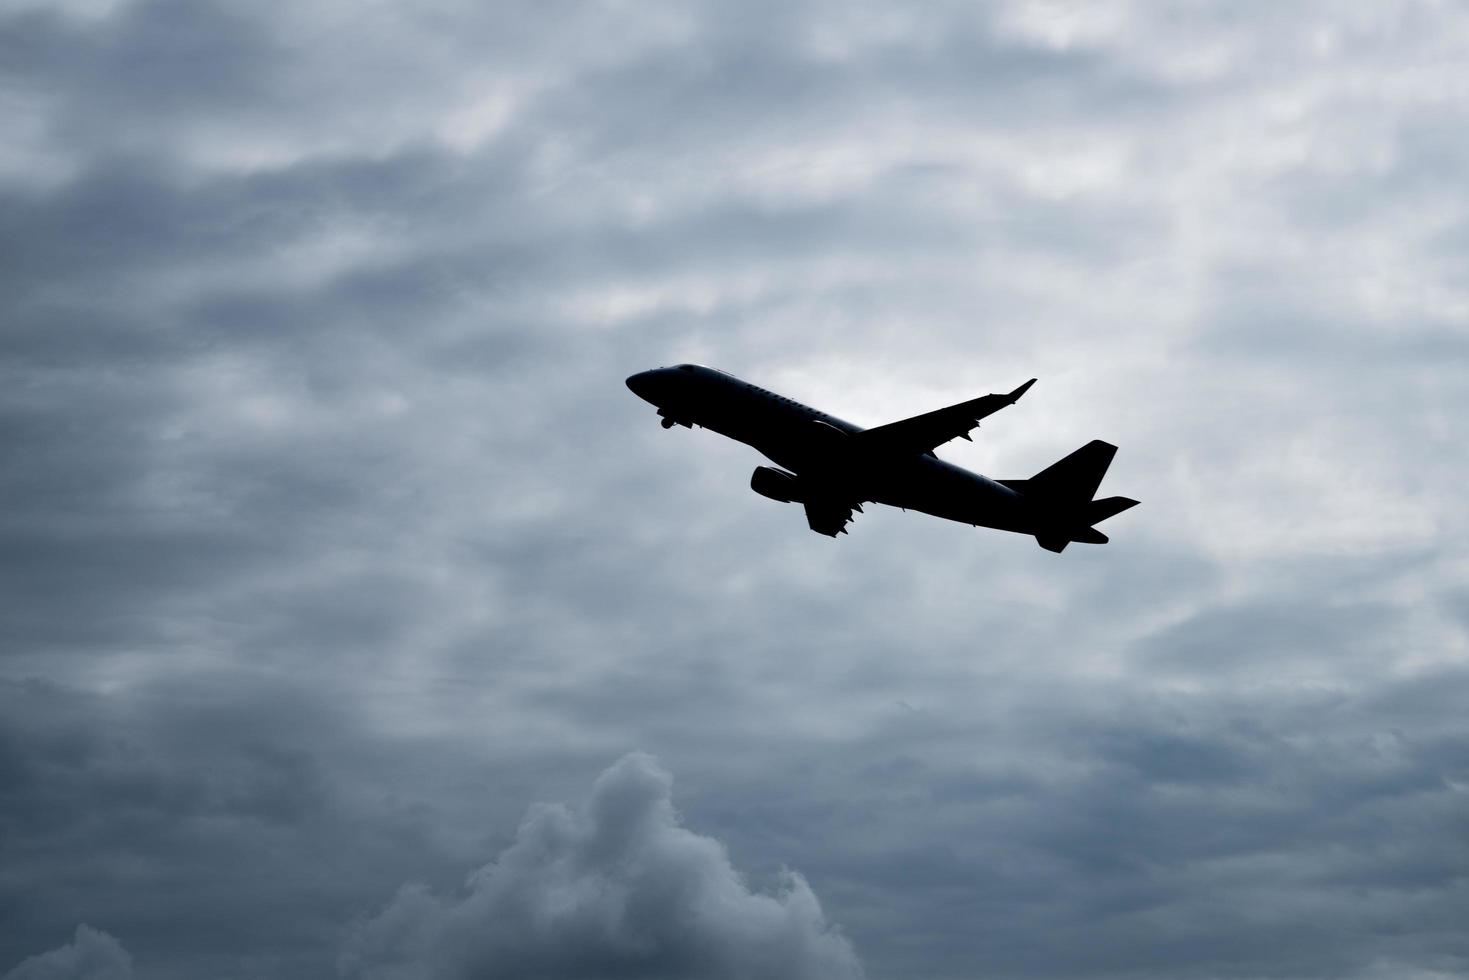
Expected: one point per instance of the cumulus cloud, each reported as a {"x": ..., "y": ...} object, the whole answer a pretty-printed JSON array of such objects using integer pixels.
[
  {"x": 92, "y": 955},
  {"x": 618, "y": 888}
]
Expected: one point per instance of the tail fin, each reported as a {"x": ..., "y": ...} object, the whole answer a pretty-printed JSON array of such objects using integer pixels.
[
  {"x": 1063, "y": 492},
  {"x": 1076, "y": 477}
]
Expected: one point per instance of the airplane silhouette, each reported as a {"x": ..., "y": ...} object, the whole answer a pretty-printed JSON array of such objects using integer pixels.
[{"x": 832, "y": 467}]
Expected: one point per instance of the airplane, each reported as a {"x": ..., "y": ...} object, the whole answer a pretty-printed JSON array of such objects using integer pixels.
[{"x": 832, "y": 467}]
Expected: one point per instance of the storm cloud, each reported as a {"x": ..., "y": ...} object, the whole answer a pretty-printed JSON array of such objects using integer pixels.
[{"x": 330, "y": 538}]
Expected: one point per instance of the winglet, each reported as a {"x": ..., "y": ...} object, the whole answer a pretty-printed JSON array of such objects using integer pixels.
[{"x": 1014, "y": 396}]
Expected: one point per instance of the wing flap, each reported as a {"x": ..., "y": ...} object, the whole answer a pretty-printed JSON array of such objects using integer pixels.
[
  {"x": 827, "y": 516},
  {"x": 924, "y": 433}
]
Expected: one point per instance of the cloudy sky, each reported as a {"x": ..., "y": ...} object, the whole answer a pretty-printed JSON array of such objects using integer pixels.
[{"x": 358, "y": 622}]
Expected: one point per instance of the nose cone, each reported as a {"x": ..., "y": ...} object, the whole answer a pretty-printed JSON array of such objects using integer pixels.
[{"x": 641, "y": 384}]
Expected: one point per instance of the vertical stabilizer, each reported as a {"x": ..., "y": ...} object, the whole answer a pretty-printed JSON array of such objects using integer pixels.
[{"x": 1076, "y": 477}]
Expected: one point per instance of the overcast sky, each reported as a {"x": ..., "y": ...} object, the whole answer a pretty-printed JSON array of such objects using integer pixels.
[{"x": 358, "y": 621}]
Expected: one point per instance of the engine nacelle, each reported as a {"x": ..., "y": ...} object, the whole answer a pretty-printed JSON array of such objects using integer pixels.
[{"x": 776, "y": 484}]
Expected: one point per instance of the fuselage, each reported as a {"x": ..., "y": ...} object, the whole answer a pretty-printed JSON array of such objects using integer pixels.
[{"x": 810, "y": 444}]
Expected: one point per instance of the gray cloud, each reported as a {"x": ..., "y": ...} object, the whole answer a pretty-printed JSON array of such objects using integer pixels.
[
  {"x": 618, "y": 888},
  {"x": 329, "y": 536},
  {"x": 91, "y": 955}
]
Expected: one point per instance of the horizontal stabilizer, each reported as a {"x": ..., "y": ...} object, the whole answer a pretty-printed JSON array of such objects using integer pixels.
[{"x": 1099, "y": 510}]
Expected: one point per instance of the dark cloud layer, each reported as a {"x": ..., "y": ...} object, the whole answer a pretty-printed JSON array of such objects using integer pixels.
[{"x": 330, "y": 539}]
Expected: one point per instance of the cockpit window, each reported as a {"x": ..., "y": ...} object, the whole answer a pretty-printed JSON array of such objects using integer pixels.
[{"x": 685, "y": 367}]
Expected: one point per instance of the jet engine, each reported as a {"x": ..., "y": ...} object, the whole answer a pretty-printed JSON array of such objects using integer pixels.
[{"x": 776, "y": 484}]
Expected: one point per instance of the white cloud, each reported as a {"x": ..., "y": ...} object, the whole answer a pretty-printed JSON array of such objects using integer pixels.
[
  {"x": 618, "y": 888},
  {"x": 92, "y": 955}
]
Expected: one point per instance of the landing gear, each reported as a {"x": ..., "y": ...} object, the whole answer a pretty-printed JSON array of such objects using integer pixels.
[{"x": 668, "y": 423}]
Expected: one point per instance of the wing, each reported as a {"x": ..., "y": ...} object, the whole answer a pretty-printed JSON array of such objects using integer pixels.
[
  {"x": 826, "y": 516},
  {"x": 924, "y": 433}
]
